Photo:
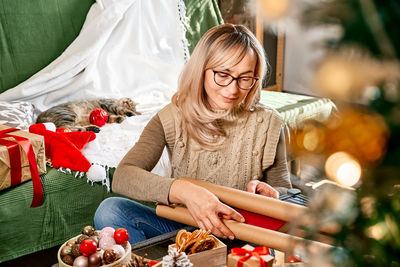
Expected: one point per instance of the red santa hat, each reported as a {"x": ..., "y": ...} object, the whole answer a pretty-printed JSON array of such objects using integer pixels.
[{"x": 64, "y": 148}]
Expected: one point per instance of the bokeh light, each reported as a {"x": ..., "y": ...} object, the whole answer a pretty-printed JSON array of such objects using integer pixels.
[
  {"x": 377, "y": 231},
  {"x": 272, "y": 8},
  {"x": 343, "y": 168},
  {"x": 309, "y": 138},
  {"x": 347, "y": 74},
  {"x": 359, "y": 133},
  {"x": 356, "y": 131},
  {"x": 335, "y": 77}
]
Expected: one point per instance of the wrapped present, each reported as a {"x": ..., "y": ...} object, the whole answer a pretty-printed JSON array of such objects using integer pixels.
[
  {"x": 22, "y": 157},
  {"x": 248, "y": 256}
]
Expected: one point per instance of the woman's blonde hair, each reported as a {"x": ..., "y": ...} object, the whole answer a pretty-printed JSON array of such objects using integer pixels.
[{"x": 226, "y": 45}]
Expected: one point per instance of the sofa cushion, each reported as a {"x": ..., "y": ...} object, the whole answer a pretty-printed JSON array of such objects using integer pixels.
[
  {"x": 34, "y": 33},
  {"x": 17, "y": 114}
]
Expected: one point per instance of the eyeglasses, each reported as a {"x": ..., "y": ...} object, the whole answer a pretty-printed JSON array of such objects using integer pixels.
[{"x": 225, "y": 79}]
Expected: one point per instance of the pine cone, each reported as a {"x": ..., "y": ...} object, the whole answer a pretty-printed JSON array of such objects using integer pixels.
[
  {"x": 183, "y": 261},
  {"x": 175, "y": 258}
]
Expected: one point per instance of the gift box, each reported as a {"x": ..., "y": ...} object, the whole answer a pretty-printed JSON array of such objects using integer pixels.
[
  {"x": 22, "y": 158},
  {"x": 248, "y": 256},
  {"x": 215, "y": 257}
]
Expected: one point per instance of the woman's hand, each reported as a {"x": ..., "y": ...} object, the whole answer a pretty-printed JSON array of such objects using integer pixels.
[
  {"x": 205, "y": 207},
  {"x": 258, "y": 187}
]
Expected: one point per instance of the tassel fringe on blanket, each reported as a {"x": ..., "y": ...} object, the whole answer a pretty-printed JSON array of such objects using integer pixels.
[{"x": 96, "y": 173}]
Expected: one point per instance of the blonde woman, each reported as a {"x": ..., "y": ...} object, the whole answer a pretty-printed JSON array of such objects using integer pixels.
[{"x": 214, "y": 130}]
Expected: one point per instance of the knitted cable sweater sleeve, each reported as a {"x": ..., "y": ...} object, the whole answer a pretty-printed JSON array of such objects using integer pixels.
[
  {"x": 277, "y": 175},
  {"x": 133, "y": 178}
]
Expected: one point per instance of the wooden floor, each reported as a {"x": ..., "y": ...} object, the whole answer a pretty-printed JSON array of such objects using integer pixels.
[{"x": 44, "y": 258}]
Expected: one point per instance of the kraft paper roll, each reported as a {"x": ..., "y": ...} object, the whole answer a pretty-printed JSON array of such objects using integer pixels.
[
  {"x": 245, "y": 232},
  {"x": 259, "y": 204}
]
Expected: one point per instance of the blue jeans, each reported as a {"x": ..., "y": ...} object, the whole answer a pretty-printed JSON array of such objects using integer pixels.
[{"x": 140, "y": 221}]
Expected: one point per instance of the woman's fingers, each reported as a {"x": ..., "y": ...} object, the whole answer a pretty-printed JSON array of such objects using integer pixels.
[
  {"x": 230, "y": 214},
  {"x": 257, "y": 187},
  {"x": 252, "y": 186},
  {"x": 201, "y": 225},
  {"x": 213, "y": 225},
  {"x": 220, "y": 229},
  {"x": 212, "y": 221},
  {"x": 208, "y": 220},
  {"x": 266, "y": 190}
]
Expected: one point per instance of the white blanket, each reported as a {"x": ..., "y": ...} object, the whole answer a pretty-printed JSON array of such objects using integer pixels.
[
  {"x": 133, "y": 48},
  {"x": 114, "y": 140},
  {"x": 126, "y": 48}
]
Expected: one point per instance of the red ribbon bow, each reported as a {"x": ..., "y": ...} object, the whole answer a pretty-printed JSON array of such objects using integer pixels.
[
  {"x": 256, "y": 252},
  {"x": 15, "y": 162}
]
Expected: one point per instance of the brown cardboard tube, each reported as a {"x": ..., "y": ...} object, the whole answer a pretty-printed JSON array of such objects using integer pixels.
[
  {"x": 245, "y": 232},
  {"x": 259, "y": 204}
]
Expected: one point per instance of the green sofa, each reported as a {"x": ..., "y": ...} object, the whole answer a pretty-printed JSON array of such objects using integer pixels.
[{"x": 33, "y": 33}]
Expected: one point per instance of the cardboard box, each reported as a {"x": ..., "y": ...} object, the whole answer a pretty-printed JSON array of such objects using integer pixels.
[
  {"x": 37, "y": 142},
  {"x": 215, "y": 257},
  {"x": 250, "y": 262}
]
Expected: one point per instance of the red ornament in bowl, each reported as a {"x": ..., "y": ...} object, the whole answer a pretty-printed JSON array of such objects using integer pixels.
[
  {"x": 98, "y": 117},
  {"x": 121, "y": 235},
  {"x": 88, "y": 247}
]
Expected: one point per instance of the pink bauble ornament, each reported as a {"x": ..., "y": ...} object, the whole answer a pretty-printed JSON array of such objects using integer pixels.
[
  {"x": 98, "y": 117},
  {"x": 106, "y": 242},
  {"x": 106, "y": 231},
  {"x": 119, "y": 250}
]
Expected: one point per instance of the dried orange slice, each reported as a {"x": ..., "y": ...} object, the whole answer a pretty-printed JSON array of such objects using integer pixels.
[
  {"x": 181, "y": 237},
  {"x": 188, "y": 246},
  {"x": 203, "y": 244}
]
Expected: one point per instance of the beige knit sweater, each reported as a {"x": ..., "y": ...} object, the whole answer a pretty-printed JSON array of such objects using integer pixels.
[{"x": 253, "y": 148}]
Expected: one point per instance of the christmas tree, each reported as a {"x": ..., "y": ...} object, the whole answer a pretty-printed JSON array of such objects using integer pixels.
[{"x": 361, "y": 145}]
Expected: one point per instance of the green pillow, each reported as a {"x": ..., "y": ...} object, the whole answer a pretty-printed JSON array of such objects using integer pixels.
[
  {"x": 203, "y": 15},
  {"x": 35, "y": 32}
]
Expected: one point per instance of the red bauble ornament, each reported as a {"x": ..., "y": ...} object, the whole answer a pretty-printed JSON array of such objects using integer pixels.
[
  {"x": 88, "y": 247},
  {"x": 98, "y": 117},
  {"x": 63, "y": 130},
  {"x": 121, "y": 235}
]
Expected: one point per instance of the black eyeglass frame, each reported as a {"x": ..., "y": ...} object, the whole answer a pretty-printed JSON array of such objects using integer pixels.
[{"x": 255, "y": 79}]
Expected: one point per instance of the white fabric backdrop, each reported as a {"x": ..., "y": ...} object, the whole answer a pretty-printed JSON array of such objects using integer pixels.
[
  {"x": 133, "y": 48},
  {"x": 126, "y": 48}
]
